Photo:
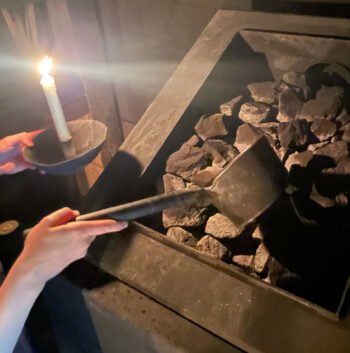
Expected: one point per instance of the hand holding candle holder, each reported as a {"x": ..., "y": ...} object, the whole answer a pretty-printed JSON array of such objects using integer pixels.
[{"x": 68, "y": 147}]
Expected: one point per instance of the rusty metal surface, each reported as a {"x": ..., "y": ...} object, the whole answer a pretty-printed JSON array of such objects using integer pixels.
[{"x": 220, "y": 298}]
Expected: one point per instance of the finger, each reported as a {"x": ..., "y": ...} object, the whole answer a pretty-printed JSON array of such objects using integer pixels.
[
  {"x": 28, "y": 137},
  {"x": 59, "y": 217},
  {"x": 94, "y": 228}
]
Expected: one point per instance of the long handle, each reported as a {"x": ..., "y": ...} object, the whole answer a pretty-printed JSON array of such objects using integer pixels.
[{"x": 146, "y": 206}]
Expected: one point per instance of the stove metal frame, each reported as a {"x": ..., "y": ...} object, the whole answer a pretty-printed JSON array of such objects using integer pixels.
[{"x": 233, "y": 306}]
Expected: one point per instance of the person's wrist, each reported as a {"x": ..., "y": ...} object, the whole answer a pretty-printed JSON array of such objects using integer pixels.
[{"x": 30, "y": 275}]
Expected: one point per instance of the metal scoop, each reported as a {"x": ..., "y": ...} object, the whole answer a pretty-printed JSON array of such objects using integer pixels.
[{"x": 248, "y": 185}]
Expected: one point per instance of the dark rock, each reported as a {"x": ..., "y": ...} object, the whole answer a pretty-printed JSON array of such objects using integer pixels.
[
  {"x": 220, "y": 227},
  {"x": 212, "y": 247},
  {"x": 269, "y": 129},
  {"x": 335, "y": 150},
  {"x": 211, "y": 126},
  {"x": 342, "y": 200},
  {"x": 326, "y": 91},
  {"x": 173, "y": 183},
  {"x": 262, "y": 92},
  {"x": 323, "y": 129},
  {"x": 182, "y": 236},
  {"x": 254, "y": 113},
  {"x": 294, "y": 134},
  {"x": 188, "y": 216},
  {"x": 229, "y": 107},
  {"x": 244, "y": 261},
  {"x": 281, "y": 153},
  {"x": 298, "y": 81},
  {"x": 206, "y": 176},
  {"x": 289, "y": 105},
  {"x": 187, "y": 161},
  {"x": 346, "y": 132},
  {"x": 316, "y": 146},
  {"x": 246, "y": 136},
  {"x": 290, "y": 189},
  {"x": 340, "y": 70},
  {"x": 221, "y": 152},
  {"x": 321, "y": 200},
  {"x": 326, "y": 105},
  {"x": 343, "y": 118},
  {"x": 299, "y": 158},
  {"x": 193, "y": 141},
  {"x": 261, "y": 259},
  {"x": 257, "y": 234},
  {"x": 342, "y": 167},
  {"x": 275, "y": 271}
]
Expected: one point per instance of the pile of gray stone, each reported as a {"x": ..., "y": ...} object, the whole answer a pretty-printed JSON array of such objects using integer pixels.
[{"x": 307, "y": 123}]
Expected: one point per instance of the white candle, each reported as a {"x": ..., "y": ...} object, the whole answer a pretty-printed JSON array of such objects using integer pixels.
[{"x": 48, "y": 84}]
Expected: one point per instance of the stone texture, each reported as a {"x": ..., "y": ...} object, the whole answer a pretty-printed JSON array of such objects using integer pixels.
[
  {"x": 346, "y": 133},
  {"x": 342, "y": 200},
  {"x": 326, "y": 105},
  {"x": 294, "y": 134},
  {"x": 254, "y": 113},
  {"x": 321, "y": 200},
  {"x": 193, "y": 141},
  {"x": 244, "y": 261},
  {"x": 182, "y": 236},
  {"x": 229, "y": 107},
  {"x": 342, "y": 167},
  {"x": 261, "y": 259},
  {"x": 187, "y": 161},
  {"x": 220, "y": 226},
  {"x": 212, "y": 247},
  {"x": 335, "y": 150},
  {"x": 257, "y": 234},
  {"x": 211, "y": 126},
  {"x": 246, "y": 136},
  {"x": 281, "y": 153},
  {"x": 340, "y": 70},
  {"x": 188, "y": 216},
  {"x": 206, "y": 176},
  {"x": 289, "y": 105},
  {"x": 323, "y": 129},
  {"x": 172, "y": 183},
  {"x": 326, "y": 91},
  {"x": 262, "y": 92},
  {"x": 221, "y": 152},
  {"x": 315, "y": 146},
  {"x": 299, "y": 158},
  {"x": 269, "y": 129},
  {"x": 297, "y": 80},
  {"x": 343, "y": 118}
]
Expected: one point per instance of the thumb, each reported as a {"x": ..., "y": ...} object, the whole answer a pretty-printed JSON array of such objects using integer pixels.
[
  {"x": 59, "y": 217},
  {"x": 28, "y": 137},
  {"x": 7, "y": 168}
]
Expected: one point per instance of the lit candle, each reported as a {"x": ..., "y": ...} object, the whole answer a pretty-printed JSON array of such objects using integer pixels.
[{"x": 48, "y": 84}]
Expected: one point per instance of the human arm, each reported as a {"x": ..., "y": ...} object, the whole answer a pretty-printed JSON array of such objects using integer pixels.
[
  {"x": 11, "y": 152},
  {"x": 50, "y": 247}
]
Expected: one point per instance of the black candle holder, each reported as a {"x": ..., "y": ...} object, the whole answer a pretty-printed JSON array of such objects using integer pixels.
[{"x": 51, "y": 156}]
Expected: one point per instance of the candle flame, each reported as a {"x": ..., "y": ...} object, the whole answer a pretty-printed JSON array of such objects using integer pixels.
[{"x": 45, "y": 66}]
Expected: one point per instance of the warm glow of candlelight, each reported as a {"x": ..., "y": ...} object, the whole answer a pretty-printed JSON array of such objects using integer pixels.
[{"x": 45, "y": 66}]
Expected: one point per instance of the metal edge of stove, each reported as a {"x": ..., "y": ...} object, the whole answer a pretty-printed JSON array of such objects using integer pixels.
[
  {"x": 235, "y": 271},
  {"x": 234, "y": 306}
]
